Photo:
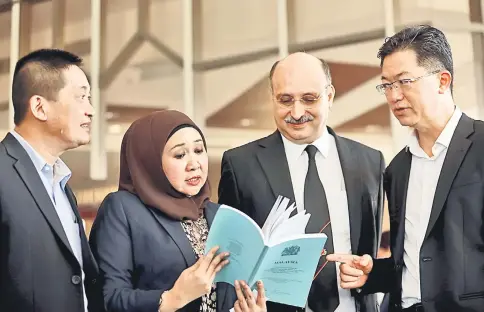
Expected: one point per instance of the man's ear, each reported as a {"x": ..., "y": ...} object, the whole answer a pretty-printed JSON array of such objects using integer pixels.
[
  {"x": 38, "y": 107},
  {"x": 445, "y": 80},
  {"x": 330, "y": 93}
]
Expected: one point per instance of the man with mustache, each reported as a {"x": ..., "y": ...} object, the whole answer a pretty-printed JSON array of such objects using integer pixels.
[{"x": 337, "y": 180}]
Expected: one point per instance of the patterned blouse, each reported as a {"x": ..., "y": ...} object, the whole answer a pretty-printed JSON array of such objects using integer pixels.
[{"x": 197, "y": 233}]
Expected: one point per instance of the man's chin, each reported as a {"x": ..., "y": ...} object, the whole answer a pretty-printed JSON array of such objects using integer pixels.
[
  {"x": 406, "y": 122},
  {"x": 299, "y": 137},
  {"x": 81, "y": 142}
]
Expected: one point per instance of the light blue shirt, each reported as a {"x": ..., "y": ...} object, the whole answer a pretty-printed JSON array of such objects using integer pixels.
[{"x": 55, "y": 179}]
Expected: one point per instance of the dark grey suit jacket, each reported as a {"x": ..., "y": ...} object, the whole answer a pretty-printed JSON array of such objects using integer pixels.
[
  {"x": 253, "y": 176},
  {"x": 141, "y": 253},
  {"x": 38, "y": 270},
  {"x": 452, "y": 254}
]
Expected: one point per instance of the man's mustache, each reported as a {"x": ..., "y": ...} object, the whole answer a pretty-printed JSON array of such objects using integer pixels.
[{"x": 303, "y": 119}]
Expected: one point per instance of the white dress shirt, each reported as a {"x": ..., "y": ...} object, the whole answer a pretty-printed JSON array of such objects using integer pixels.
[
  {"x": 424, "y": 175},
  {"x": 331, "y": 175}
]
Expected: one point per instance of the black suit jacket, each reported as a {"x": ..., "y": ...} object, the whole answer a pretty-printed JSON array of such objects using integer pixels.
[
  {"x": 452, "y": 254},
  {"x": 38, "y": 271},
  {"x": 141, "y": 253},
  {"x": 253, "y": 176}
]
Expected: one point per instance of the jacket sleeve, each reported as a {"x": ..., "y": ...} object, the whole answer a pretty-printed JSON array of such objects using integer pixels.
[
  {"x": 111, "y": 244},
  {"x": 381, "y": 278},
  {"x": 383, "y": 275}
]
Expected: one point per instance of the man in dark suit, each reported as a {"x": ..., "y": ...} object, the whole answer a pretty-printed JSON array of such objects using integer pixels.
[
  {"x": 45, "y": 261},
  {"x": 434, "y": 186},
  {"x": 338, "y": 181}
]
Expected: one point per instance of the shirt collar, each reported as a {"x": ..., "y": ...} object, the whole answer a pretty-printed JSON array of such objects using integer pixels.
[
  {"x": 62, "y": 172},
  {"x": 443, "y": 140},
  {"x": 294, "y": 151}
]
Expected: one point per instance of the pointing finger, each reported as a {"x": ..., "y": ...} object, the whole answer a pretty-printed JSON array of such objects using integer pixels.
[
  {"x": 342, "y": 258},
  {"x": 350, "y": 271}
]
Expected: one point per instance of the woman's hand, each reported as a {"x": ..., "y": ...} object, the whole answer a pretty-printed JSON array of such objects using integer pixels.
[
  {"x": 245, "y": 298},
  {"x": 197, "y": 280}
]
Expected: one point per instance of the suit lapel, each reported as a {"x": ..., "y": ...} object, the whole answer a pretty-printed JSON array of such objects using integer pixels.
[
  {"x": 273, "y": 161},
  {"x": 459, "y": 145},
  {"x": 87, "y": 257},
  {"x": 34, "y": 184},
  {"x": 398, "y": 191},
  {"x": 175, "y": 230},
  {"x": 349, "y": 166}
]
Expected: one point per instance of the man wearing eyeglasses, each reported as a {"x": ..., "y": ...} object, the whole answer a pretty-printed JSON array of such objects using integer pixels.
[
  {"x": 336, "y": 180},
  {"x": 434, "y": 186}
]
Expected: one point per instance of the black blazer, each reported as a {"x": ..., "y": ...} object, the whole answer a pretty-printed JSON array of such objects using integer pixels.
[
  {"x": 38, "y": 271},
  {"x": 254, "y": 174},
  {"x": 452, "y": 254},
  {"x": 141, "y": 253}
]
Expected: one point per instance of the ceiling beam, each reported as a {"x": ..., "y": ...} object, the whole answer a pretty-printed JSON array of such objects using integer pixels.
[{"x": 83, "y": 48}]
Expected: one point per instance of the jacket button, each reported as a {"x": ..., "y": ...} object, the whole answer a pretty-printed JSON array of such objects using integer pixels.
[
  {"x": 76, "y": 279},
  {"x": 93, "y": 281}
]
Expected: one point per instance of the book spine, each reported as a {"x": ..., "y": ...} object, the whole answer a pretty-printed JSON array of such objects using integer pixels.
[{"x": 251, "y": 282}]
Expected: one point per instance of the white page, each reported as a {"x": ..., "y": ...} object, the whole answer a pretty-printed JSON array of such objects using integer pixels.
[
  {"x": 271, "y": 217},
  {"x": 283, "y": 217},
  {"x": 294, "y": 226},
  {"x": 277, "y": 209}
]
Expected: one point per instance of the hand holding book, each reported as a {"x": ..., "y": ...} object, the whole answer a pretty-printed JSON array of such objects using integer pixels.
[{"x": 280, "y": 254}]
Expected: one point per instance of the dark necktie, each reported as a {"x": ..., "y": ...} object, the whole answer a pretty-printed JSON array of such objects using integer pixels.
[{"x": 323, "y": 296}]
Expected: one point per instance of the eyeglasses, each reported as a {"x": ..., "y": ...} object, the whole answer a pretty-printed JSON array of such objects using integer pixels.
[
  {"x": 307, "y": 99},
  {"x": 403, "y": 84}
]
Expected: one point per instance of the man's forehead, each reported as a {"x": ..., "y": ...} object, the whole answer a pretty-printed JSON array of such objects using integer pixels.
[
  {"x": 299, "y": 78},
  {"x": 79, "y": 86},
  {"x": 399, "y": 63},
  {"x": 76, "y": 77}
]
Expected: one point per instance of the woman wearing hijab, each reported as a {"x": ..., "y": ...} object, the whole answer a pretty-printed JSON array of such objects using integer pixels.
[{"x": 149, "y": 236}]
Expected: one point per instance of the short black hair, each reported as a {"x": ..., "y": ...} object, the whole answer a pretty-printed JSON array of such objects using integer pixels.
[
  {"x": 324, "y": 65},
  {"x": 39, "y": 72},
  {"x": 429, "y": 44}
]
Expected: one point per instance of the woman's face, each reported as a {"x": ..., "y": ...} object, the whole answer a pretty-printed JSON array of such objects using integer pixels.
[{"x": 185, "y": 161}]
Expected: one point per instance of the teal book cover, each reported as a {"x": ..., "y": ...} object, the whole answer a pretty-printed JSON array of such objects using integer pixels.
[{"x": 280, "y": 254}]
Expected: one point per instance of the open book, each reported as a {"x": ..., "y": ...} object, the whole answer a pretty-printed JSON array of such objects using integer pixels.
[{"x": 280, "y": 254}]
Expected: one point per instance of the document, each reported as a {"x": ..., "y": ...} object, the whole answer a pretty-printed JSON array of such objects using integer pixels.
[{"x": 280, "y": 254}]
